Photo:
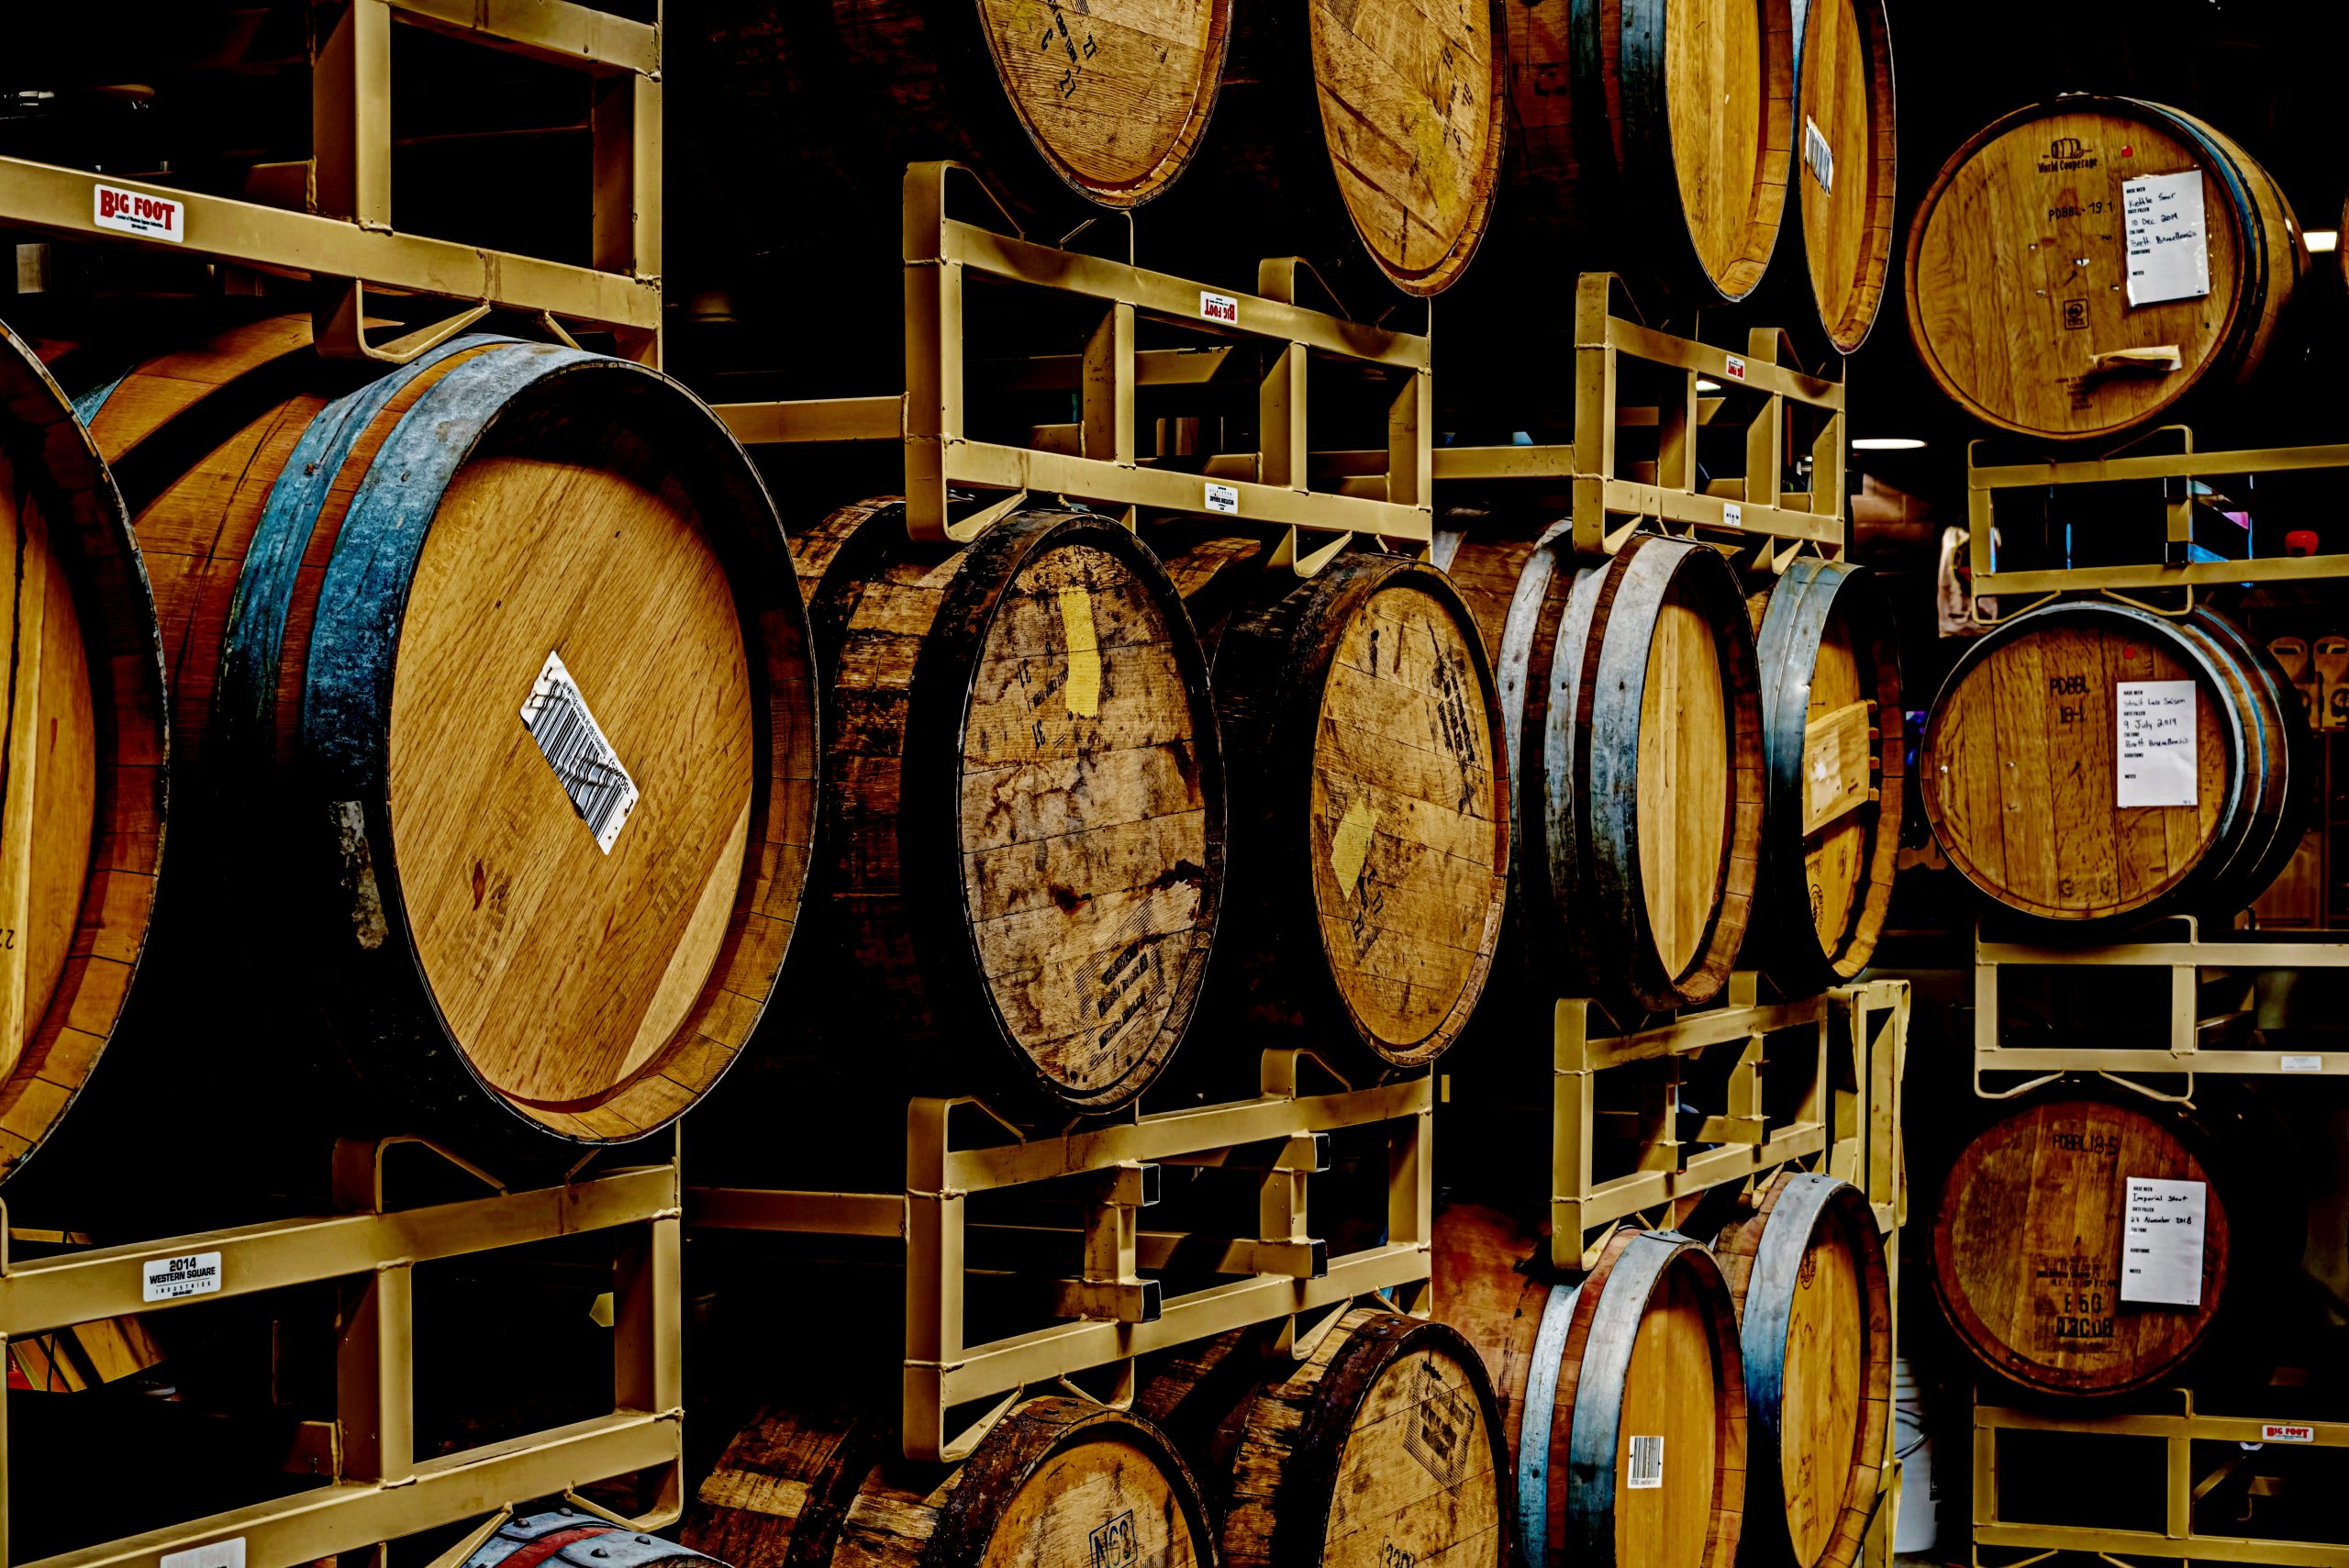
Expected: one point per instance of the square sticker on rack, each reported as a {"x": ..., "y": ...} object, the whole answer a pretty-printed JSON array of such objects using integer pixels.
[
  {"x": 1734, "y": 367},
  {"x": 1220, "y": 308},
  {"x": 1222, "y": 498}
]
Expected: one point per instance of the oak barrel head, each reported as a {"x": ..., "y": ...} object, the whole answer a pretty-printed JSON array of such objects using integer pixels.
[
  {"x": 1807, "y": 1270},
  {"x": 1025, "y": 843},
  {"x": 1845, "y": 162},
  {"x": 1835, "y": 746},
  {"x": 1370, "y": 802},
  {"x": 84, "y": 738},
  {"x": 1056, "y": 1484},
  {"x": 2029, "y": 1245},
  {"x": 2051, "y": 343},
  {"x": 2030, "y": 715}
]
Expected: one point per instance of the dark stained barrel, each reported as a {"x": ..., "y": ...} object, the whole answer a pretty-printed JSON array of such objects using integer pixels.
[
  {"x": 1023, "y": 836},
  {"x": 2050, "y": 342},
  {"x": 1805, "y": 1266},
  {"x": 1382, "y": 1445},
  {"x": 2029, "y": 1247},
  {"x": 82, "y": 744},
  {"x": 1834, "y": 743},
  {"x": 2029, "y": 716},
  {"x": 1056, "y": 1484},
  {"x": 1370, "y": 798},
  {"x": 494, "y": 707}
]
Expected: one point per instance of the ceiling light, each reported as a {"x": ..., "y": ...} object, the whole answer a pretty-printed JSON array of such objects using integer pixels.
[
  {"x": 2323, "y": 240},
  {"x": 1705, "y": 386},
  {"x": 1886, "y": 444}
]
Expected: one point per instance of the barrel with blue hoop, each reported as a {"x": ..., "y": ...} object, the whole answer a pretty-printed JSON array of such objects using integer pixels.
[
  {"x": 569, "y": 1539},
  {"x": 494, "y": 679}
]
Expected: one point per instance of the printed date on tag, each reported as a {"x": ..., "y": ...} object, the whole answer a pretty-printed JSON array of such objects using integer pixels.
[
  {"x": 574, "y": 746},
  {"x": 171, "y": 1279}
]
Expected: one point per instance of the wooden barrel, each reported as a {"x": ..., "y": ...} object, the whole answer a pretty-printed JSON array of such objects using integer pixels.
[
  {"x": 1846, "y": 147},
  {"x": 1023, "y": 832},
  {"x": 1381, "y": 1446},
  {"x": 564, "y": 1538},
  {"x": 2051, "y": 343},
  {"x": 1624, "y": 1392},
  {"x": 494, "y": 672},
  {"x": 1652, "y": 138},
  {"x": 2029, "y": 716},
  {"x": 1651, "y": 775},
  {"x": 1057, "y": 1483},
  {"x": 1834, "y": 742},
  {"x": 83, "y": 741},
  {"x": 1814, "y": 1307},
  {"x": 2030, "y": 1246},
  {"x": 1370, "y": 800}
]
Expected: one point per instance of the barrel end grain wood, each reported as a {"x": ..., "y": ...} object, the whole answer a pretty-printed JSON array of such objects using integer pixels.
[
  {"x": 2018, "y": 271},
  {"x": 1056, "y": 1484},
  {"x": 84, "y": 741},
  {"x": 1835, "y": 746},
  {"x": 1371, "y": 803},
  {"x": 1806, "y": 1269},
  {"x": 2028, "y": 1242},
  {"x": 1025, "y": 835},
  {"x": 1847, "y": 156},
  {"x": 2029, "y": 715}
]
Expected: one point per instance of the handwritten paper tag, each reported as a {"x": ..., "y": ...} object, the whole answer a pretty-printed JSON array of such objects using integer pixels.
[
  {"x": 2156, "y": 750},
  {"x": 2162, "y": 1243},
  {"x": 2170, "y": 248}
]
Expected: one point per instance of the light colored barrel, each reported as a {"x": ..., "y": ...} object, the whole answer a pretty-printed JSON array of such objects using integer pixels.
[
  {"x": 2030, "y": 715},
  {"x": 1382, "y": 1445},
  {"x": 82, "y": 743},
  {"x": 1024, "y": 829},
  {"x": 1840, "y": 239},
  {"x": 2019, "y": 299},
  {"x": 1057, "y": 1483},
  {"x": 2029, "y": 1247},
  {"x": 1370, "y": 798},
  {"x": 1814, "y": 1304},
  {"x": 495, "y": 705},
  {"x": 1834, "y": 739}
]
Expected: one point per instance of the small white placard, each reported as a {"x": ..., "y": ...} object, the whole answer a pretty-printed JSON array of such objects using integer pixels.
[
  {"x": 170, "y": 1279},
  {"x": 1817, "y": 156},
  {"x": 2169, "y": 250},
  {"x": 1647, "y": 1464},
  {"x": 1732, "y": 515},
  {"x": 1734, "y": 369},
  {"x": 2161, "y": 1243},
  {"x": 2286, "y": 1432},
  {"x": 130, "y": 212},
  {"x": 1219, "y": 307},
  {"x": 2303, "y": 1064},
  {"x": 1222, "y": 498},
  {"x": 2156, "y": 721},
  {"x": 229, "y": 1553},
  {"x": 574, "y": 746}
]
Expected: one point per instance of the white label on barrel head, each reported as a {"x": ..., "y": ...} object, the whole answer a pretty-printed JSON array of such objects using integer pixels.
[
  {"x": 2170, "y": 248},
  {"x": 1222, "y": 498},
  {"x": 128, "y": 212},
  {"x": 1219, "y": 307},
  {"x": 2286, "y": 1432},
  {"x": 2303, "y": 1064},
  {"x": 2161, "y": 1241},
  {"x": 229, "y": 1553},
  {"x": 170, "y": 1279},
  {"x": 2156, "y": 721},
  {"x": 1647, "y": 1464},
  {"x": 575, "y": 747},
  {"x": 1817, "y": 156}
]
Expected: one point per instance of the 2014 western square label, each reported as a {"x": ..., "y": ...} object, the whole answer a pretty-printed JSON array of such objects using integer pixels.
[{"x": 173, "y": 1279}]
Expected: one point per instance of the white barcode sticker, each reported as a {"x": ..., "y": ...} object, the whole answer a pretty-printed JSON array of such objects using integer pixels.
[
  {"x": 2303, "y": 1064},
  {"x": 1647, "y": 1464},
  {"x": 1817, "y": 156},
  {"x": 1219, "y": 307},
  {"x": 229, "y": 1553},
  {"x": 1222, "y": 498},
  {"x": 575, "y": 747},
  {"x": 170, "y": 1279}
]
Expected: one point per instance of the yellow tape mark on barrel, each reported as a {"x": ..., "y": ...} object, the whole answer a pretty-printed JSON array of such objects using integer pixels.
[
  {"x": 1084, "y": 654},
  {"x": 1350, "y": 846}
]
